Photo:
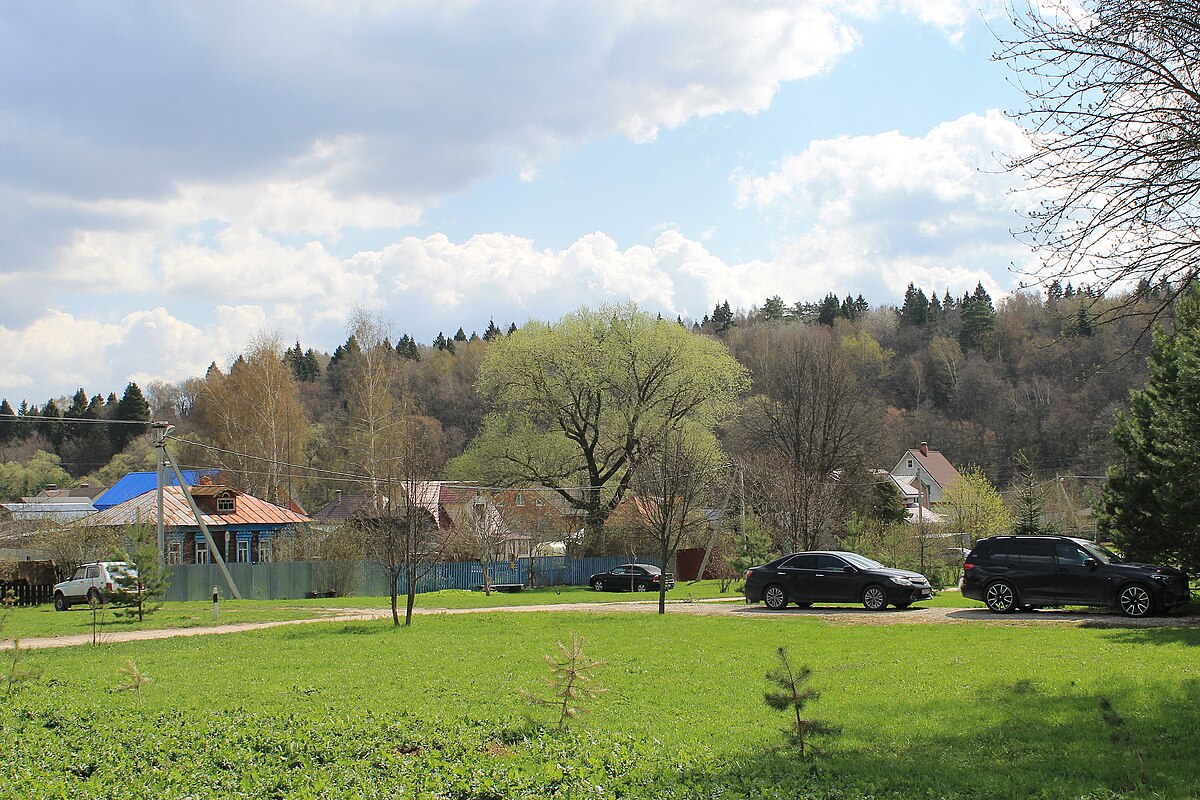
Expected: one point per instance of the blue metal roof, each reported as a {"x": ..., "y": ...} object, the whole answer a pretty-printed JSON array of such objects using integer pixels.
[{"x": 138, "y": 483}]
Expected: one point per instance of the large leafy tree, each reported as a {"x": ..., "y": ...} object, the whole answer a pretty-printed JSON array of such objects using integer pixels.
[
  {"x": 579, "y": 401},
  {"x": 1151, "y": 500},
  {"x": 974, "y": 508}
]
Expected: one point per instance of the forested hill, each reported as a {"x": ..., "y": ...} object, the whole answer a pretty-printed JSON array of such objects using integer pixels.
[{"x": 979, "y": 381}]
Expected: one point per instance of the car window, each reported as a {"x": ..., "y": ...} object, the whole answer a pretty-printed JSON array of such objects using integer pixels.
[
  {"x": 1103, "y": 554},
  {"x": 92, "y": 572},
  {"x": 619, "y": 571},
  {"x": 862, "y": 562},
  {"x": 1034, "y": 551},
  {"x": 984, "y": 548},
  {"x": 806, "y": 561},
  {"x": 1070, "y": 553},
  {"x": 80, "y": 574},
  {"x": 832, "y": 563}
]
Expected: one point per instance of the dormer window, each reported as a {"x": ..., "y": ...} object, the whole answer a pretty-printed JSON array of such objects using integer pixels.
[{"x": 226, "y": 505}]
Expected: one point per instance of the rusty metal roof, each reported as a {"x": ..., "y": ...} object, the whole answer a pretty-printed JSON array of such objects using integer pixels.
[{"x": 177, "y": 513}]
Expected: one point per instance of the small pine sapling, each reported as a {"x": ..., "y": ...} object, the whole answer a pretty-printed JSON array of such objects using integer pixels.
[
  {"x": 140, "y": 589},
  {"x": 790, "y": 696},
  {"x": 133, "y": 679},
  {"x": 571, "y": 678}
]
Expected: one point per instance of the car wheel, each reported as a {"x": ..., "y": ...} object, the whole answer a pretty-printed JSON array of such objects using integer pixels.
[
  {"x": 1000, "y": 597},
  {"x": 874, "y": 598},
  {"x": 775, "y": 596},
  {"x": 641, "y": 587},
  {"x": 60, "y": 602},
  {"x": 598, "y": 585},
  {"x": 1134, "y": 600}
]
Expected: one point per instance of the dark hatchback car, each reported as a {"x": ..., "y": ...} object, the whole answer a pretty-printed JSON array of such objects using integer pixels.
[
  {"x": 834, "y": 577},
  {"x": 631, "y": 578},
  {"x": 1026, "y": 572}
]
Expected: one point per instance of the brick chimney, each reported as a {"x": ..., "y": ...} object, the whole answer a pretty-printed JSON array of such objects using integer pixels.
[{"x": 924, "y": 448}]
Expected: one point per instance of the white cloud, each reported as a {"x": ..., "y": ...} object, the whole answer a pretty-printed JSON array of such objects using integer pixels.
[{"x": 936, "y": 208}]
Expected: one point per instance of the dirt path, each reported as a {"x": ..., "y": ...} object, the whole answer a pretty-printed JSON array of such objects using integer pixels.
[{"x": 840, "y": 615}]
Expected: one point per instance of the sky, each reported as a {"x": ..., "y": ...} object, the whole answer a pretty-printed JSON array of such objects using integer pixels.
[{"x": 178, "y": 178}]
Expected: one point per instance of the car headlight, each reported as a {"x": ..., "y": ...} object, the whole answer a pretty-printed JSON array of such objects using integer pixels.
[
  {"x": 902, "y": 581},
  {"x": 1164, "y": 578}
]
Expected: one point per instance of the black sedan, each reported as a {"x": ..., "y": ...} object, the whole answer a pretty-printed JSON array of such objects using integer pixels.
[
  {"x": 631, "y": 578},
  {"x": 834, "y": 577}
]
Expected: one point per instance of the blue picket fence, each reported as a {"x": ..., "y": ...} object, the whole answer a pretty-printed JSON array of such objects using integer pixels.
[{"x": 290, "y": 580}]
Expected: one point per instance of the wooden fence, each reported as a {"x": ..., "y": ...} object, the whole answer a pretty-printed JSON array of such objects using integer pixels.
[{"x": 20, "y": 593}]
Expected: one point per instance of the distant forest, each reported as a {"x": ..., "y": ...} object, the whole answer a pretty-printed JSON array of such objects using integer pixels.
[{"x": 984, "y": 383}]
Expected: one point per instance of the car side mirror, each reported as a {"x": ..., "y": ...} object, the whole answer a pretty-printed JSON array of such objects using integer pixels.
[
  {"x": 1091, "y": 563},
  {"x": 849, "y": 570}
]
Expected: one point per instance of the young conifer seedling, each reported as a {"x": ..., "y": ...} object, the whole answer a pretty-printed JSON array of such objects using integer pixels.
[
  {"x": 791, "y": 696},
  {"x": 571, "y": 677}
]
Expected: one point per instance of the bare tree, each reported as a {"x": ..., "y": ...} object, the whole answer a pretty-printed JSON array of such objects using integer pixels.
[
  {"x": 802, "y": 429},
  {"x": 1113, "y": 117},
  {"x": 672, "y": 487},
  {"x": 482, "y": 529},
  {"x": 256, "y": 415}
]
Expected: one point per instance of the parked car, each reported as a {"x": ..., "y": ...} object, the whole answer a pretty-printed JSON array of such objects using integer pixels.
[
  {"x": 1026, "y": 572},
  {"x": 631, "y": 578},
  {"x": 92, "y": 584},
  {"x": 834, "y": 577}
]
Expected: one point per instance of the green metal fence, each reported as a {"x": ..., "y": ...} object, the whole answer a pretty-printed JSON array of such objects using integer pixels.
[{"x": 290, "y": 580}]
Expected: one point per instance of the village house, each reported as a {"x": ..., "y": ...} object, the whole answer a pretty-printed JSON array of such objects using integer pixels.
[{"x": 244, "y": 528}]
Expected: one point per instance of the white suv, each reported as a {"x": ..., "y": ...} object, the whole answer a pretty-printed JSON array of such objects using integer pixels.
[{"x": 92, "y": 584}]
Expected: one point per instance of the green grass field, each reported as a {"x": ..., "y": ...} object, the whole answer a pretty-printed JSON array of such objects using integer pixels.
[{"x": 364, "y": 710}]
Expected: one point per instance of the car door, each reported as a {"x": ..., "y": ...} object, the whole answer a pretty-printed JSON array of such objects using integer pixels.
[
  {"x": 831, "y": 583},
  {"x": 1078, "y": 583},
  {"x": 617, "y": 578},
  {"x": 796, "y": 576},
  {"x": 1036, "y": 574}
]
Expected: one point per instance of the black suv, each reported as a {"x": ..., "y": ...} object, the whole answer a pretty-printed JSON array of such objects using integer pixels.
[{"x": 1011, "y": 572}]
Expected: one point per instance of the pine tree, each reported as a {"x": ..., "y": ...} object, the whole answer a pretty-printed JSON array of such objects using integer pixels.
[
  {"x": 1029, "y": 502},
  {"x": 773, "y": 308},
  {"x": 50, "y": 426},
  {"x": 722, "y": 318},
  {"x": 789, "y": 696},
  {"x": 460, "y": 336},
  {"x": 1151, "y": 500},
  {"x": 915, "y": 311},
  {"x": 492, "y": 331},
  {"x": 512, "y": 328},
  {"x": 978, "y": 320},
  {"x": 8, "y": 423},
  {"x": 830, "y": 308},
  {"x": 132, "y": 407},
  {"x": 440, "y": 342},
  {"x": 140, "y": 590}
]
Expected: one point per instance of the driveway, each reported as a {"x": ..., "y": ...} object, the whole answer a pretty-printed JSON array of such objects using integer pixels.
[{"x": 838, "y": 615}]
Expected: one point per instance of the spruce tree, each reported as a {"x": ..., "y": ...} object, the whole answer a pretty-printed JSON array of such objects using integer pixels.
[
  {"x": 131, "y": 408},
  {"x": 830, "y": 308},
  {"x": 1150, "y": 502},
  {"x": 8, "y": 423},
  {"x": 141, "y": 590},
  {"x": 915, "y": 311}
]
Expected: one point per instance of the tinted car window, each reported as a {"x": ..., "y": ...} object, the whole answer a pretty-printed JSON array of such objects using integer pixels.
[
  {"x": 801, "y": 562},
  {"x": 830, "y": 563},
  {"x": 1070, "y": 553},
  {"x": 983, "y": 549},
  {"x": 1001, "y": 551},
  {"x": 1035, "y": 551},
  {"x": 619, "y": 571}
]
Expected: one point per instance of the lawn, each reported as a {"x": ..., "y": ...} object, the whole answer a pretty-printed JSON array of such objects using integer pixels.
[
  {"x": 24, "y": 623},
  {"x": 365, "y": 710}
]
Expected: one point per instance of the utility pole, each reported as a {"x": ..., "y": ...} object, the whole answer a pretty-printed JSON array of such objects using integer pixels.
[{"x": 161, "y": 429}]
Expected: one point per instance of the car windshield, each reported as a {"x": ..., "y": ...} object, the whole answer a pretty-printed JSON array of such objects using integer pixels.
[
  {"x": 862, "y": 562},
  {"x": 1101, "y": 553}
]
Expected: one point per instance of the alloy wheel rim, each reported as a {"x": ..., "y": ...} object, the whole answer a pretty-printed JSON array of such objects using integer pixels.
[
  {"x": 1135, "y": 601},
  {"x": 1000, "y": 597},
  {"x": 774, "y": 596},
  {"x": 874, "y": 598}
]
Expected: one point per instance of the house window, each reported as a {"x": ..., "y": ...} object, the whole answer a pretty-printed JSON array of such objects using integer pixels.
[
  {"x": 226, "y": 505},
  {"x": 243, "y": 551},
  {"x": 910, "y": 463},
  {"x": 266, "y": 550},
  {"x": 201, "y": 552},
  {"x": 174, "y": 552},
  {"x": 520, "y": 499}
]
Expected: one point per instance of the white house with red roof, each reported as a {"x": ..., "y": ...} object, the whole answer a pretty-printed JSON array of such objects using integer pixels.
[{"x": 922, "y": 476}]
